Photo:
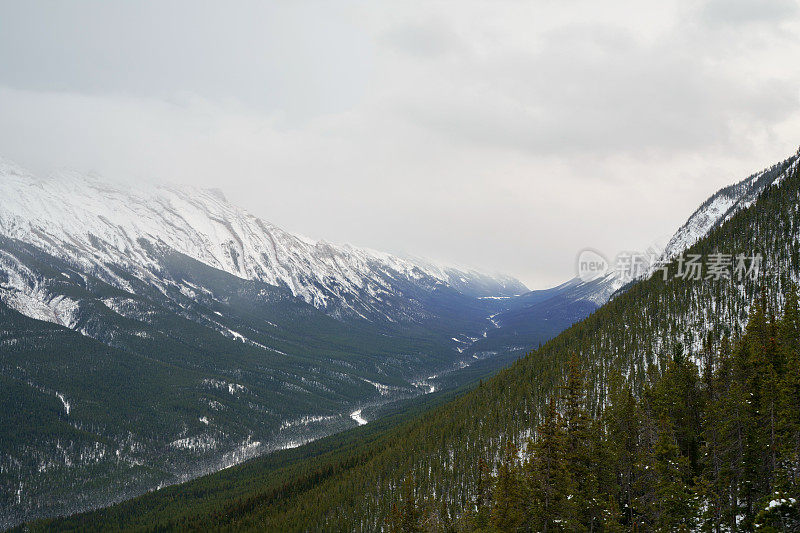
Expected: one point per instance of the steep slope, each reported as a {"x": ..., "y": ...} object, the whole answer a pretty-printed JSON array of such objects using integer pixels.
[
  {"x": 177, "y": 385},
  {"x": 724, "y": 204},
  {"x": 442, "y": 451}
]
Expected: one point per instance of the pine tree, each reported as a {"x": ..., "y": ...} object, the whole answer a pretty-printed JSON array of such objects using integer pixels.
[
  {"x": 735, "y": 423},
  {"x": 483, "y": 496},
  {"x": 508, "y": 513},
  {"x": 677, "y": 394},
  {"x": 580, "y": 449},
  {"x": 406, "y": 517},
  {"x": 643, "y": 514},
  {"x": 621, "y": 443},
  {"x": 673, "y": 494},
  {"x": 789, "y": 403},
  {"x": 610, "y": 517},
  {"x": 757, "y": 364},
  {"x": 714, "y": 483},
  {"x": 551, "y": 506}
]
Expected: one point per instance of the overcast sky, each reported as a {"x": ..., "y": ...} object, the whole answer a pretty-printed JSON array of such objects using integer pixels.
[{"x": 505, "y": 135}]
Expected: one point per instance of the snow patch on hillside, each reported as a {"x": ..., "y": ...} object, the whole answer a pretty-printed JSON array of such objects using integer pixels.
[
  {"x": 356, "y": 416},
  {"x": 64, "y": 402}
]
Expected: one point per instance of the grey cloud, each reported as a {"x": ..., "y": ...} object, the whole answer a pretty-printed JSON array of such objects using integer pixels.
[
  {"x": 597, "y": 89},
  {"x": 300, "y": 58},
  {"x": 423, "y": 39},
  {"x": 748, "y": 12}
]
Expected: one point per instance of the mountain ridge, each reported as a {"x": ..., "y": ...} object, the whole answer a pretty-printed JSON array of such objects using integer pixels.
[
  {"x": 106, "y": 224},
  {"x": 724, "y": 203}
]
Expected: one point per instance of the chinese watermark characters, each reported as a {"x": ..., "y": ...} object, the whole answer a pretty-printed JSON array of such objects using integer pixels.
[{"x": 629, "y": 266}]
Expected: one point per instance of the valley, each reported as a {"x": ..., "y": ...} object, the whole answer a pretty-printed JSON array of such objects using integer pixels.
[
  {"x": 151, "y": 336},
  {"x": 437, "y": 448}
]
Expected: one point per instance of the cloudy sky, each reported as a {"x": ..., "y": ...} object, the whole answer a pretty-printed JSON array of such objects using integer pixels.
[{"x": 505, "y": 135}]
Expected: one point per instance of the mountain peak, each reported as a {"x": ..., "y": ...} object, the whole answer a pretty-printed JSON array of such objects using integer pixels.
[{"x": 218, "y": 194}]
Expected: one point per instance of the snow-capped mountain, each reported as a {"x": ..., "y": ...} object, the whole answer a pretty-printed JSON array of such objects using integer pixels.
[
  {"x": 101, "y": 228},
  {"x": 597, "y": 291}
]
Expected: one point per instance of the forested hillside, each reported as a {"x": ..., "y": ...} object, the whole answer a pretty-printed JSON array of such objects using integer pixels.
[
  {"x": 719, "y": 450},
  {"x": 676, "y": 353}
]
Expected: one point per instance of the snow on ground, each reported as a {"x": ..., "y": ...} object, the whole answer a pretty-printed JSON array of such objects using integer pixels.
[
  {"x": 356, "y": 415},
  {"x": 200, "y": 443},
  {"x": 384, "y": 390},
  {"x": 233, "y": 388},
  {"x": 779, "y": 502},
  {"x": 63, "y": 401},
  {"x": 723, "y": 205},
  {"x": 306, "y": 420}
]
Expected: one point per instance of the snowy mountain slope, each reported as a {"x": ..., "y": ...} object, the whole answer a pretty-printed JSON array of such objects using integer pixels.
[
  {"x": 596, "y": 291},
  {"x": 646, "y": 327},
  {"x": 723, "y": 204},
  {"x": 98, "y": 226},
  {"x": 718, "y": 208},
  {"x": 470, "y": 281}
]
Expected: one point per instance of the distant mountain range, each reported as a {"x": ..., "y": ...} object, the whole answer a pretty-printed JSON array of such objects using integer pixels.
[{"x": 435, "y": 468}]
